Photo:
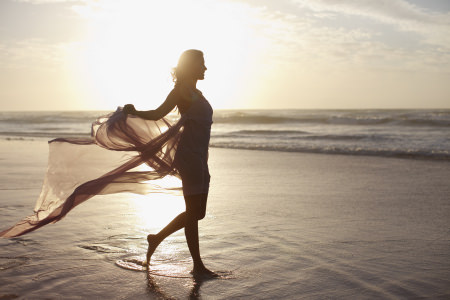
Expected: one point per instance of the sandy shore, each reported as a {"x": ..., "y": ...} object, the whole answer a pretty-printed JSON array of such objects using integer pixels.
[{"x": 289, "y": 225}]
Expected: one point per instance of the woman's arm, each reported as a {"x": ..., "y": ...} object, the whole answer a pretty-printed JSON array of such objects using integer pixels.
[{"x": 167, "y": 106}]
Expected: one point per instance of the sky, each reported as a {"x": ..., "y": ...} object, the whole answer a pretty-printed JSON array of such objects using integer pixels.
[{"x": 260, "y": 54}]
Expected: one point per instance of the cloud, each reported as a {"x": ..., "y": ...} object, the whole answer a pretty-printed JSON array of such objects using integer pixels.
[
  {"x": 433, "y": 26},
  {"x": 312, "y": 38},
  {"x": 303, "y": 36},
  {"x": 51, "y": 1},
  {"x": 34, "y": 54}
]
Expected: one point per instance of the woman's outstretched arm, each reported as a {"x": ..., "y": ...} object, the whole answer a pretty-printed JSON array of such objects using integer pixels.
[{"x": 167, "y": 106}]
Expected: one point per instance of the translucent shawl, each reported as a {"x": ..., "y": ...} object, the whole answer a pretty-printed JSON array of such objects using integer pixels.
[{"x": 79, "y": 169}]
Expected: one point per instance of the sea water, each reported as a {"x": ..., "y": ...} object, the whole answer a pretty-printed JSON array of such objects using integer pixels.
[
  {"x": 396, "y": 133},
  {"x": 280, "y": 224}
]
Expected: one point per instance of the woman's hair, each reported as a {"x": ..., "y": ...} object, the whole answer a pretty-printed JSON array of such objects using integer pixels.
[{"x": 184, "y": 67}]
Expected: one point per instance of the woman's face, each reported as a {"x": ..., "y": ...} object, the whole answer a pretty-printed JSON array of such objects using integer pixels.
[{"x": 199, "y": 69}]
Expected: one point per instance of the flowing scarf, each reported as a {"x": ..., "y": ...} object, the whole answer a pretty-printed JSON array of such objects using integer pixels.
[{"x": 106, "y": 163}]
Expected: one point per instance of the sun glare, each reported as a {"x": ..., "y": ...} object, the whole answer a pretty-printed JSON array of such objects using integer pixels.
[
  {"x": 154, "y": 211},
  {"x": 131, "y": 47},
  {"x": 161, "y": 204}
]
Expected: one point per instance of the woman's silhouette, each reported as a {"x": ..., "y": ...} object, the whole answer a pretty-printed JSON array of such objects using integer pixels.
[
  {"x": 191, "y": 158},
  {"x": 179, "y": 149}
]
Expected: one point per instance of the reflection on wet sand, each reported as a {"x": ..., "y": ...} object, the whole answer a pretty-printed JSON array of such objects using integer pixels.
[
  {"x": 158, "y": 291},
  {"x": 195, "y": 284}
]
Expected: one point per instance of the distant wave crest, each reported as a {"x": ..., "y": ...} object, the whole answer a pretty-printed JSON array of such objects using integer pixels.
[
  {"x": 400, "y": 153},
  {"x": 398, "y": 118}
]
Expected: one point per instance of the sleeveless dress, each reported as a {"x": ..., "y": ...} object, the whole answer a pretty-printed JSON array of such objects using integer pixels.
[
  {"x": 191, "y": 159},
  {"x": 112, "y": 161}
]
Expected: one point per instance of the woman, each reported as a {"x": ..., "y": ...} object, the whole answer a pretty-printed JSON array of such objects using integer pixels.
[
  {"x": 179, "y": 149},
  {"x": 192, "y": 152}
]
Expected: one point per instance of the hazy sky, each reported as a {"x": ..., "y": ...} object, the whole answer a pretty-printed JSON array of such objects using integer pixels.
[{"x": 81, "y": 54}]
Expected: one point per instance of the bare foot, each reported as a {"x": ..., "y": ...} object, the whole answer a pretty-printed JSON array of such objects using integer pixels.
[
  {"x": 203, "y": 273},
  {"x": 152, "y": 244}
]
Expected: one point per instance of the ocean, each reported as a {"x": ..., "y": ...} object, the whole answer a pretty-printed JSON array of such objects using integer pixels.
[
  {"x": 281, "y": 223},
  {"x": 386, "y": 133}
]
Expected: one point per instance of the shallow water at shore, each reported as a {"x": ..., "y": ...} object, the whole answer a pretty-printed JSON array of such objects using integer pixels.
[{"x": 286, "y": 225}]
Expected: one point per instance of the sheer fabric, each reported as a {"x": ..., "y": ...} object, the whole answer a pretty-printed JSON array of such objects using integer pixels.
[{"x": 79, "y": 169}]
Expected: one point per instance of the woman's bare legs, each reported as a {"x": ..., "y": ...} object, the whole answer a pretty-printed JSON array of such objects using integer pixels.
[
  {"x": 155, "y": 239},
  {"x": 195, "y": 211}
]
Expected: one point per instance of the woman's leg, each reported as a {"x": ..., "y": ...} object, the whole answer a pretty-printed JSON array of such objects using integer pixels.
[
  {"x": 195, "y": 210},
  {"x": 155, "y": 239}
]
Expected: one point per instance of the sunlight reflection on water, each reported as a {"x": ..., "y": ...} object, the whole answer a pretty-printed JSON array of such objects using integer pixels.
[
  {"x": 156, "y": 209},
  {"x": 163, "y": 202}
]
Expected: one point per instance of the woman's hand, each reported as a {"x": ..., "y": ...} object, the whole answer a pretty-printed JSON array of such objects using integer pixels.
[{"x": 129, "y": 109}]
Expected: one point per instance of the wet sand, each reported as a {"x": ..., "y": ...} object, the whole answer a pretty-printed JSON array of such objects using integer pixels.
[{"x": 287, "y": 225}]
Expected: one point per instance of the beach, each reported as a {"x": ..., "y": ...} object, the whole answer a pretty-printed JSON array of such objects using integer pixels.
[
  {"x": 325, "y": 127},
  {"x": 281, "y": 225}
]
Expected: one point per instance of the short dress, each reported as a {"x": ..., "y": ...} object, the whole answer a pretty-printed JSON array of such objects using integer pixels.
[{"x": 191, "y": 158}]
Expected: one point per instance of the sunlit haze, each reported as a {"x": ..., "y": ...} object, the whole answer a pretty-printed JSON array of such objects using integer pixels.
[{"x": 96, "y": 55}]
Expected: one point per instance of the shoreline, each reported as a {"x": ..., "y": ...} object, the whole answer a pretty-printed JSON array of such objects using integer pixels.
[
  {"x": 399, "y": 156},
  {"x": 406, "y": 156},
  {"x": 288, "y": 225}
]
